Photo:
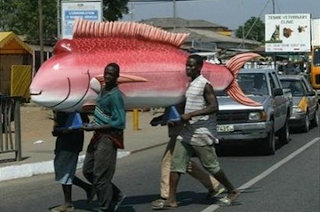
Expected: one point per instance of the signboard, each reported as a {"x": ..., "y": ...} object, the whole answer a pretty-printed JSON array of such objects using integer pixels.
[
  {"x": 287, "y": 32},
  {"x": 70, "y": 10}
]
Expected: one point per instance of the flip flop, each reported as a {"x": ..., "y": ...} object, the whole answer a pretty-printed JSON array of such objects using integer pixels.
[
  {"x": 214, "y": 194},
  {"x": 161, "y": 205},
  {"x": 225, "y": 201},
  {"x": 156, "y": 202}
]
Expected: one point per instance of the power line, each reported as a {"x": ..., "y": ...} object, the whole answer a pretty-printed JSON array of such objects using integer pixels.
[{"x": 253, "y": 24}]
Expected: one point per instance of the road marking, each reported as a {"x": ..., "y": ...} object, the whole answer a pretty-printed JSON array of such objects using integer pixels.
[{"x": 264, "y": 174}]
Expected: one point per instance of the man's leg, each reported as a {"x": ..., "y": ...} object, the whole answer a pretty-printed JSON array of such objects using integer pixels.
[
  {"x": 209, "y": 161},
  {"x": 233, "y": 193},
  {"x": 65, "y": 167},
  {"x": 180, "y": 158},
  {"x": 174, "y": 180},
  {"x": 89, "y": 189},
  {"x": 105, "y": 157},
  {"x": 203, "y": 177},
  {"x": 67, "y": 192},
  {"x": 165, "y": 169},
  {"x": 88, "y": 164},
  {"x": 67, "y": 205}
]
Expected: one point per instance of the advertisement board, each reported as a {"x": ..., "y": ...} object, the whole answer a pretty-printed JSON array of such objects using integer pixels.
[
  {"x": 70, "y": 10},
  {"x": 287, "y": 32}
]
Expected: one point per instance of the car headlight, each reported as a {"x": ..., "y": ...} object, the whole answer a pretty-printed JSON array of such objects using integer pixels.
[
  {"x": 296, "y": 109},
  {"x": 257, "y": 116}
]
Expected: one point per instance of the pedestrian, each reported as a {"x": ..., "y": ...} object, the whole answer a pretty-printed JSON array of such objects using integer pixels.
[
  {"x": 109, "y": 123},
  {"x": 68, "y": 145},
  {"x": 193, "y": 169},
  {"x": 198, "y": 135}
]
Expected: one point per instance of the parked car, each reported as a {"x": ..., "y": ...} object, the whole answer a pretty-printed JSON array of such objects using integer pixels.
[
  {"x": 237, "y": 123},
  {"x": 304, "y": 100}
]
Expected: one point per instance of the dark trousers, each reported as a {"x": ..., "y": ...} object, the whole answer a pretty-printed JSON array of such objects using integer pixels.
[{"x": 99, "y": 167}]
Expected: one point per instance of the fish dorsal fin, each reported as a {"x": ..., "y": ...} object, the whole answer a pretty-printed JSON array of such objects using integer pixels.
[{"x": 84, "y": 28}]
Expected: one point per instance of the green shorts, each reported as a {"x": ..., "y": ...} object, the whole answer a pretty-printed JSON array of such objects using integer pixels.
[{"x": 184, "y": 151}]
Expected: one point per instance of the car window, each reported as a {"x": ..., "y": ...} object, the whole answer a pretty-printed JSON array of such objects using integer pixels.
[
  {"x": 296, "y": 87},
  {"x": 253, "y": 83}
]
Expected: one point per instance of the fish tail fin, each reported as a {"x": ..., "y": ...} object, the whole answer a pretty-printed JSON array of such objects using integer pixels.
[
  {"x": 237, "y": 94},
  {"x": 234, "y": 90},
  {"x": 236, "y": 62}
]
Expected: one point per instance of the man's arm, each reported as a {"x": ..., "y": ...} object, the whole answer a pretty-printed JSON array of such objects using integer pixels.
[{"x": 212, "y": 104}]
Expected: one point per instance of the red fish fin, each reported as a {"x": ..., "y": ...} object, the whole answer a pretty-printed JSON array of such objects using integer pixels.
[
  {"x": 84, "y": 28},
  {"x": 236, "y": 93},
  {"x": 98, "y": 81},
  {"x": 237, "y": 61},
  {"x": 126, "y": 78}
]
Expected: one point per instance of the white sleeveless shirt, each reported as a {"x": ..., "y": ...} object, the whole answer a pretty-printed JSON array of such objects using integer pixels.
[{"x": 200, "y": 130}]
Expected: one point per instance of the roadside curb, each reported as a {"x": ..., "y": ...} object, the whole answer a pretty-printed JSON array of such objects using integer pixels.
[{"x": 46, "y": 167}]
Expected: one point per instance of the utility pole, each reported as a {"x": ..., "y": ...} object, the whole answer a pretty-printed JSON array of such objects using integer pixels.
[
  {"x": 40, "y": 30},
  {"x": 241, "y": 11},
  {"x": 132, "y": 11},
  {"x": 273, "y": 7},
  {"x": 274, "y": 54},
  {"x": 58, "y": 20},
  {"x": 174, "y": 14}
]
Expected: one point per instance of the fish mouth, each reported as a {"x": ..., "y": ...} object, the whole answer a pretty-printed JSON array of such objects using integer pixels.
[
  {"x": 69, "y": 92},
  {"x": 59, "y": 105}
]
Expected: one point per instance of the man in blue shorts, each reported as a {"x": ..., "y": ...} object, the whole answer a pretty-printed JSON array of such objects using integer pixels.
[{"x": 68, "y": 145}]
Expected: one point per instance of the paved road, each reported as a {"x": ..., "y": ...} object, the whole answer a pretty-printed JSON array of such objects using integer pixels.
[{"x": 287, "y": 181}]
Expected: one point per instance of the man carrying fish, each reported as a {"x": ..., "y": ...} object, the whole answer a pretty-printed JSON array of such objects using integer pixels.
[
  {"x": 193, "y": 169},
  {"x": 109, "y": 122},
  {"x": 198, "y": 135}
]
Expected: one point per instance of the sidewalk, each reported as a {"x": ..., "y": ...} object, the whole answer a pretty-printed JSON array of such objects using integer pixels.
[{"x": 38, "y": 143}]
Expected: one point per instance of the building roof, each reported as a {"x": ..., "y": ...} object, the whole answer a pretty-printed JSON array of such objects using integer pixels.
[
  {"x": 206, "y": 35},
  {"x": 180, "y": 22},
  {"x": 10, "y": 43}
]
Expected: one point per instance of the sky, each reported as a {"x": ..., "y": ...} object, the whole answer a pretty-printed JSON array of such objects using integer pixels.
[{"x": 228, "y": 13}]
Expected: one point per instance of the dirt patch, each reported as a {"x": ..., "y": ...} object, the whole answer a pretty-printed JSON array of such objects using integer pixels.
[{"x": 36, "y": 123}]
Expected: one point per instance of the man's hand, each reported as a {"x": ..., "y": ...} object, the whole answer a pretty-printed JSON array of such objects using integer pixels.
[
  {"x": 156, "y": 120},
  {"x": 89, "y": 127},
  {"x": 186, "y": 117}
]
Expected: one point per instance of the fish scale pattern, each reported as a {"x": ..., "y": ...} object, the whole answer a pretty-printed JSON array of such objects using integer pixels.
[{"x": 63, "y": 82}]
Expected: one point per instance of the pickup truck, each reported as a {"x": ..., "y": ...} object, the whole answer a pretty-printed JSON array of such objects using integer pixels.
[{"x": 241, "y": 123}]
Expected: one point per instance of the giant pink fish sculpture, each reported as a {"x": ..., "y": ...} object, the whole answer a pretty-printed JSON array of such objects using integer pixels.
[{"x": 152, "y": 67}]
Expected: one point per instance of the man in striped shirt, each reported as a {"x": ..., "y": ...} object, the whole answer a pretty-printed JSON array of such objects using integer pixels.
[
  {"x": 109, "y": 122},
  {"x": 198, "y": 135}
]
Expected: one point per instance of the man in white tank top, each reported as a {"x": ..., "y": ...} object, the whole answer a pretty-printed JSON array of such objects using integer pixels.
[{"x": 198, "y": 135}]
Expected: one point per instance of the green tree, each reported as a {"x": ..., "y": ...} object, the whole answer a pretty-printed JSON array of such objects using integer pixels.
[
  {"x": 253, "y": 29},
  {"x": 115, "y": 9},
  {"x": 22, "y": 17}
]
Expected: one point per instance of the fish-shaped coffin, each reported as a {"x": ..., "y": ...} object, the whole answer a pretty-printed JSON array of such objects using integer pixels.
[{"x": 152, "y": 67}]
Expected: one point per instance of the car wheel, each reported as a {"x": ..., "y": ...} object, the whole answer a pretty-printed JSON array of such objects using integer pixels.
[
  {"x": 269, "y": 143},
  {"x": 306, "y": 125},
  {"x": 315, "y": 120},
  {"x": 284, "y": 133}
]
